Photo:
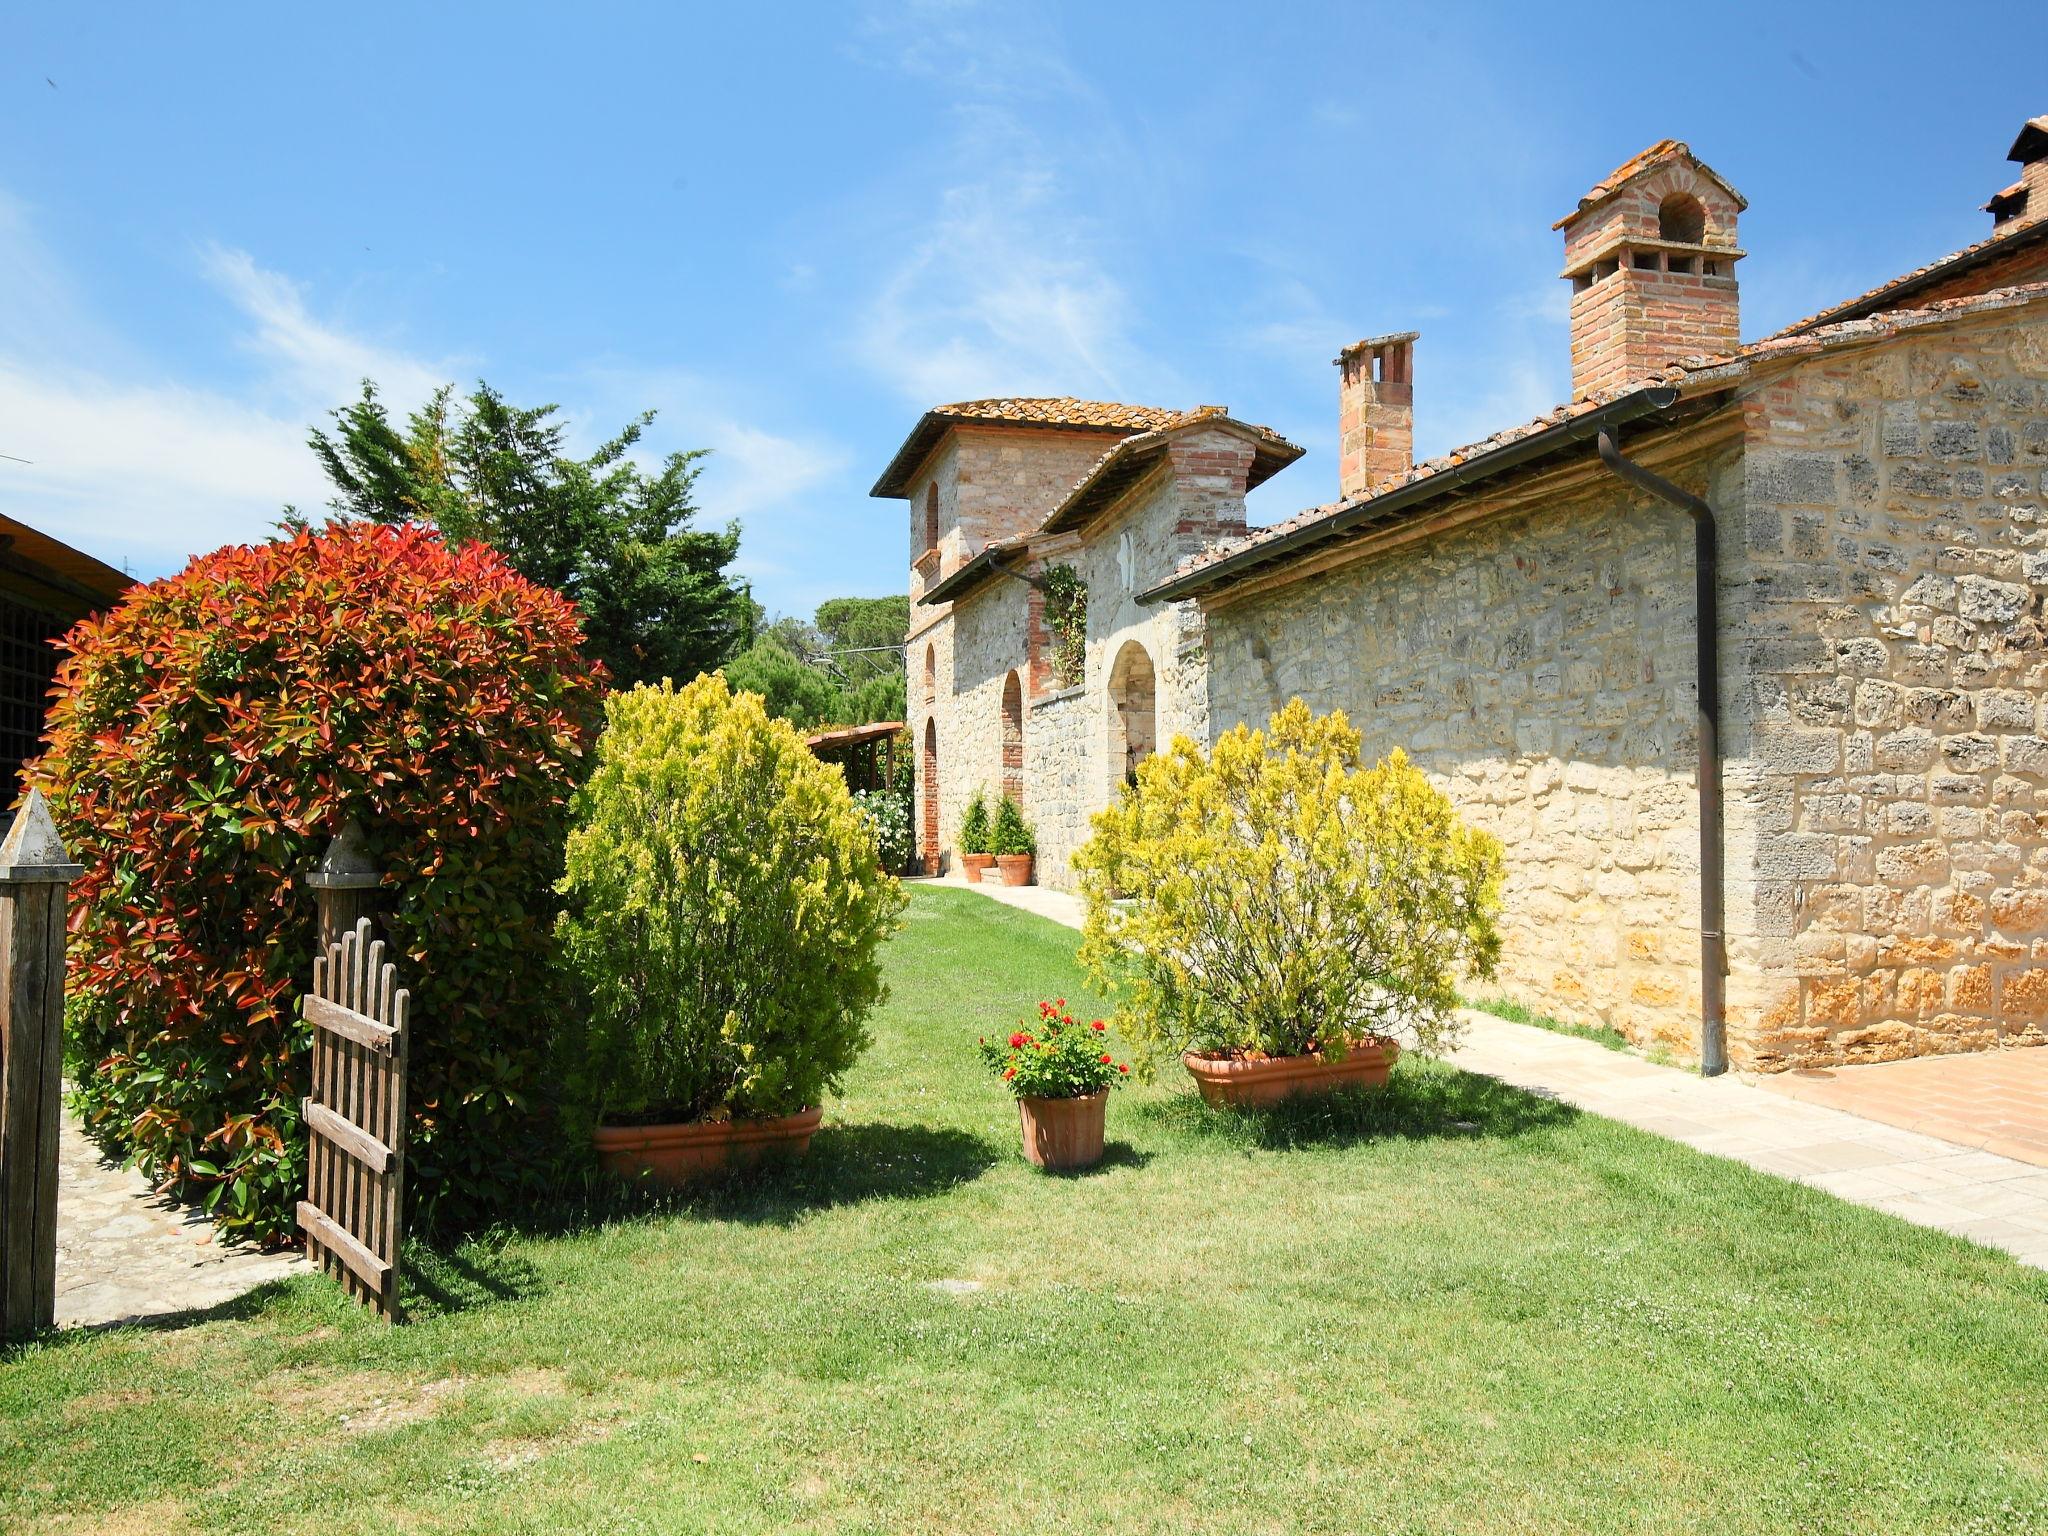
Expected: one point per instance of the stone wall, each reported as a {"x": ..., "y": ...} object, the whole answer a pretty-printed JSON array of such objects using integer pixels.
[
  {"x": 1539, "y": 666},
  {"x": 1894, "y": 620}
]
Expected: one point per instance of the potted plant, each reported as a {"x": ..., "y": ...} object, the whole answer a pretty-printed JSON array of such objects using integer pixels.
[
  {"x": 1281, "y": 917},
  {"x": 722, "y": 912},
  {"x": 1061, "y": 1073},
  {"x": 975, "y": 854},
  {"x": 1013, "y": 843}
]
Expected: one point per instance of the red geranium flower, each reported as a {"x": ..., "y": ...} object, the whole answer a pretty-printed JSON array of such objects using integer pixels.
[
  {"x": 1105, "y": 1060},
  {"x": 1018, "y": 1040},
  {"x": 1096, "y": 1025},
  {"x": 1008, "y": 1073},
  {"x": 1123, "y": 1069}
]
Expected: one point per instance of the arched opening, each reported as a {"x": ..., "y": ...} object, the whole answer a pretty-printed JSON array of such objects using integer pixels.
[
  {"x": 928, "y": 786},
  {"x": 1013, "y": 738},
  {"x": 931, "y": 674},
  {"x": 931, "y": 516},
  {"x": 1133, "y": 732},
  {"x": 1680, "y": 218}
]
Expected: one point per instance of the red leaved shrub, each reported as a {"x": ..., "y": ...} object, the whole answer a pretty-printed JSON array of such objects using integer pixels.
[{"x": 210, "y": 734}]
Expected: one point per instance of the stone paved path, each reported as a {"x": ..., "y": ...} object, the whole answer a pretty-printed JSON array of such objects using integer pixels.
[
  {"x": 1994, "y": 1100},
  {"x": 126, "y": 1255},
  {"x": 1998, "y": 1201}
]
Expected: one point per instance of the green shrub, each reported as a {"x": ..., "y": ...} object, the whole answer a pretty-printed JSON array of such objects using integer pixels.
[
  {"x": 723, "y": 912},
  {"x": 974, "y": 825},
  {"x": 210, "y": 733},
  {"x": 1278, "y": 897},
  {"x": 1011, "y": 833}
]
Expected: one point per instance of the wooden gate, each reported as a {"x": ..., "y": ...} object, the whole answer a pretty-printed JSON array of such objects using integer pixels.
[{"x": 355, "y": 1118}]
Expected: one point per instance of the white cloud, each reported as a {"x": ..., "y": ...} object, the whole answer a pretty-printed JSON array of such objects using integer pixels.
[
  {"x": 1007, "y": 285},
  {"x": 1001, "y": 295},
  {"x": 305, "y": 358},
  {"x": 141, "y": 467}
]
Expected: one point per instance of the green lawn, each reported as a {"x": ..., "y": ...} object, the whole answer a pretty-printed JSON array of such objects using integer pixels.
[{"x": 1453, "y": 1308}]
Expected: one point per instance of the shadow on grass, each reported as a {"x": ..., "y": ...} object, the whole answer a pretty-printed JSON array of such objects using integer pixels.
[
  {"x": 464, "y": 1276},
  {"x": 846, "y": 1165},
  {"x": 1422, "y": 1101},
  {"x": 1115, "y": 1154}
]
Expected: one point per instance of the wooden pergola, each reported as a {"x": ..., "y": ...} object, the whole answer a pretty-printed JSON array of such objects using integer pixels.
[{"x": 865, "y": 753}]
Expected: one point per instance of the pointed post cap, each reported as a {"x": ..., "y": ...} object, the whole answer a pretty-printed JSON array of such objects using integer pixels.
[
  {"x": 346, "y": 866},
  {"x": 33, "y": 850}
]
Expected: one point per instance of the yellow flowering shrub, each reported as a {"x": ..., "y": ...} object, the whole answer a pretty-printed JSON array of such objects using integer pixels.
[
  {"x": 1277, "y": 896},
  {"x": 723, "y": 912}
]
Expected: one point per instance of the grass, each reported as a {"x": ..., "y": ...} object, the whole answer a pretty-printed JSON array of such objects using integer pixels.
[
  {"x": 1450, "y": 1307},
  {"x": 1520, "y": 1013}
]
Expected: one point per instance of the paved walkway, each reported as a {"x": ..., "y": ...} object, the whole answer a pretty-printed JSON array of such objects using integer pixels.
[
  {"x": 1993, "y": 1100},
  {"x": 125, "y": 1255},
  {"x": 1998, "y": 1201}
]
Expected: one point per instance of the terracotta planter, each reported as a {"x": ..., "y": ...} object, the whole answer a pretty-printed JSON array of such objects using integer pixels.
[
  {"x": 1064, "y": 1133},
  {"x": 677, "y": 1153},
  {"x": 1015, "y": 868},
  {"x": 976, "y": 865},
  {"x": 1269, "y": 1079}
]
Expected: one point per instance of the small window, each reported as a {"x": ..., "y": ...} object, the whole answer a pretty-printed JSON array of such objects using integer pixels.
[
  {"x": 931, "y": 674},
  {"x": 1644, "y": 261},
  {"x": 1679, "y": 264},
  {"x": 1681, "y": 219},
  {"x": 931, "y": 516}
]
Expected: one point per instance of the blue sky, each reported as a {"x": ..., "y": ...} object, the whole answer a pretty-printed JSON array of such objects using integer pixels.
[{"x": 791, "y": 228}]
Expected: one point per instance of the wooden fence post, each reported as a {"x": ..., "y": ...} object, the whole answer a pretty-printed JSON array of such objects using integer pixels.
[
  {"x": 34, "y": 872},
  {"x": 345, "y": 885}
]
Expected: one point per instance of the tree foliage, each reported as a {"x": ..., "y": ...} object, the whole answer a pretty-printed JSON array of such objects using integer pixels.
[
  {"x": 210, "y": 733},
  {"x": 1276, "y": 896},
  {"x": 844, "y": 669},
  {"x": 724, "y": 912},
  {"x": 656, "y": 594}
]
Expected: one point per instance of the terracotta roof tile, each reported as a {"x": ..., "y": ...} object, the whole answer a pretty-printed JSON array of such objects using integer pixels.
[
  {"x": 1997, "y": 243},
  {"x": 1641, "y": 163},
  {"x": 1274, "y": 453},
  {"x": 1698, "y": 374},
  {"x": 1061, "y": 411},
  {"x": 1056, "y": 412}
]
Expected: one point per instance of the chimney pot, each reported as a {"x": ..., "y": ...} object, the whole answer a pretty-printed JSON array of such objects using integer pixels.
[
  {"x": 1650, "y": 253},
  {"x": 1375, "y": 413}
]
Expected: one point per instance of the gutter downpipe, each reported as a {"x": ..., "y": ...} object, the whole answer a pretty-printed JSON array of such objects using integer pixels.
[{"x": 1707, "y": 625}]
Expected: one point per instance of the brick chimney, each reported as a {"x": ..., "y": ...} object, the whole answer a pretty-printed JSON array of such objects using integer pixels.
[
  {"x": 1375, "y": 412},
  {"x": 1650, "y": 253},
  {"x": 2026, "y": 199}
]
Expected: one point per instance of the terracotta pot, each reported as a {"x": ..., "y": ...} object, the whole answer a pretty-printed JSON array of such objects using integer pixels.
[
  {"x": 1015, "y": 868},
  {"x": 976, "y": 865},
  {"x": 1064, "y": 1133},
  {"x": 678, "y": 1152},
  {"x": 1268, "y": 1080}
]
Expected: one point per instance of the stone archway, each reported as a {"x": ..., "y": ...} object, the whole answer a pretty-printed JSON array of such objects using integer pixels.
[
  {"x": 1133, "y": 713},
  {"x": 928, "y": 786},
  {"x": 1013, "y": 738}
]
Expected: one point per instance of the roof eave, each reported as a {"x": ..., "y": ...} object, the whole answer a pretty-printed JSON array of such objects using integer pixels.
[
  {"x": 1998, "y": 243},
  {"x": 1504, "y": 460},
  {"x": 977, "y": 572},
  {"x": 1270, "y": 455}
]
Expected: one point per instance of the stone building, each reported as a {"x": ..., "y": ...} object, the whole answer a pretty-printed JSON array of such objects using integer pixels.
[{"x": 1523, "y": 616}]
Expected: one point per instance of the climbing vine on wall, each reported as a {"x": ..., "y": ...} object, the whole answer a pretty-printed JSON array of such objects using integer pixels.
[{"x": 1066, "y": 615}]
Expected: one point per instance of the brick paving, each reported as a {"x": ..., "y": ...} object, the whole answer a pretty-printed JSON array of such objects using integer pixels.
[
  {"x": 1993, "y": 1100},
  {"x": 1959, "y": 1187}
]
